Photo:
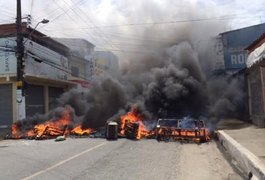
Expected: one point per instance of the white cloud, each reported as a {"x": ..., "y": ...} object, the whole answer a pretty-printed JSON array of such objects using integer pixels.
[{"x": 84, "y": 19}]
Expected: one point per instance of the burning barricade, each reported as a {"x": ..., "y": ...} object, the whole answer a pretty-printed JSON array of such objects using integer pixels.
[
  {"x": 185, "y": 129},
  {"x": 132, "y": 125},
  {"x": 51, "y": 129}
]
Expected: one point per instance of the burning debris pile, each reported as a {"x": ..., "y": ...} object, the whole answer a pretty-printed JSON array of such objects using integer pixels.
[
  {"x": 61, "y": 126},
  {"x": 186, "y": 129},
  {"x": 132, "y": 125}
]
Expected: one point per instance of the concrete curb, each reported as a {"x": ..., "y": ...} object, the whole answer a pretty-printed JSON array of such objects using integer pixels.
[{"x": 245, "y": 159}]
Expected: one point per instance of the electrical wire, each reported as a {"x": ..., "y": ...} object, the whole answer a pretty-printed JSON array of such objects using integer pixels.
[
  {"x": 130, "y": 37},
  {"x": 6, "y": 50},
  {"x": 72, "y": 19},
  {"x": 7, "y": 13},
  {"x": 98, "y": 29},
  {"x": 84, "y": 21},
  {"x": 43, "y": 51},
  {"x": 54, "y": 65},
  {"x": 168, "y": 22},
  {"x": 126, "y": 51},
  {"x": 58, "y": 16},
  {"x": 103, "y": 48}
]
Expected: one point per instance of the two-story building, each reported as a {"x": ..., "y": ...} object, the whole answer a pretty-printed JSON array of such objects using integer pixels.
[
  {"x": 81, "y": 60},
  {"x": 46, "y": 73},
  {"x": 106, "y": 62}
]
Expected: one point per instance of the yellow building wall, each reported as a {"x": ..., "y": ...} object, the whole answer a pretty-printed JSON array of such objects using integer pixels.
[
  {"x": 81, "y": 67},
  {"x": 100, "y": 66}
]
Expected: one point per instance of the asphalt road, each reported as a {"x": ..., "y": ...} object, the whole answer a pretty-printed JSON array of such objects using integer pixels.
[{"x": 100, "y": 159}]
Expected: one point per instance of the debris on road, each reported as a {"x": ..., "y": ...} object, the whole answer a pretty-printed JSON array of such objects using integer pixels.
[
  {"x": 60, "y": 138},
  {"x": 51, "y": 129},
  {"x": 133, "y": 125}
]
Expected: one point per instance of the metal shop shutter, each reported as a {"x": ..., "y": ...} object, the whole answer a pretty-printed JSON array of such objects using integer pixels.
[
  {"x": 6, "y": 108},
  {"x": 34, "y": 100},
  {"x": 54, "y": 94}
]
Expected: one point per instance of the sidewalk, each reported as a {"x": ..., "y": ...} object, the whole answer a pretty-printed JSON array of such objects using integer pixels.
[{"x": 244, "y": 142}]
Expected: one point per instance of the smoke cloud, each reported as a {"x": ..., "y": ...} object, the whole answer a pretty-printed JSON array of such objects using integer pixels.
[
  {"x": 167, "y": 78},
  {"x": 169, "y": 83}
]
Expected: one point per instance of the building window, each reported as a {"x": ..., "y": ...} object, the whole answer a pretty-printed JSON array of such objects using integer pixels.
[{"x": 75, "y": 71}]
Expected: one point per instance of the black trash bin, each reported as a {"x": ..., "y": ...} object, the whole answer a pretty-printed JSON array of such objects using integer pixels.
[{"x": 112, "y": 131}]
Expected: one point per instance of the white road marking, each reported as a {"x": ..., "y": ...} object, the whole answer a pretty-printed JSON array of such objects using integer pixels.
[{"x": 62, "y": 162}]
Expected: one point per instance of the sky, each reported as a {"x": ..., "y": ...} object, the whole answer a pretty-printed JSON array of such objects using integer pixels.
[{"x": 129, "y": 26}]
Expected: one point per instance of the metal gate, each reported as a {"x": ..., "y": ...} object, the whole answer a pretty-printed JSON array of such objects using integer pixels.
[
  {"x": 34, "y": 100},
  {"x": 54, "y": 94},
  {"x": 6, "y": 107}
]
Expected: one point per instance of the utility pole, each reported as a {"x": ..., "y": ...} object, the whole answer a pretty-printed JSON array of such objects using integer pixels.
[
  {"x": 20, "y": 48},
  {"x": 20, "y": 66}
]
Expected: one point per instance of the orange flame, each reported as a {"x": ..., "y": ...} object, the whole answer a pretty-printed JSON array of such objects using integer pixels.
[
  {"x": 16, "y": 134},
  {"x": 193, "y": 134},
  {"x": 129, "y": 120},
  {"x": 79, "y": 131},
  {"x": 129, "y": 117},
  {"x": 51, "y": 128}
]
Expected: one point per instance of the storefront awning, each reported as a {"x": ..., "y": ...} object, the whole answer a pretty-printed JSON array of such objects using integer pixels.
[{"x": 255, "y": 56}]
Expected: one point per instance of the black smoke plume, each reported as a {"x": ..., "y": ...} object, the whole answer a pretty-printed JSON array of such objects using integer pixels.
[
  {"x": 169, "y": 83},
  {"x": 171, "y": 79}
]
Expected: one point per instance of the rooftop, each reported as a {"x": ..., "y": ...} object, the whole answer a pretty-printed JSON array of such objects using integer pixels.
[{"x": 9, "y": 30}]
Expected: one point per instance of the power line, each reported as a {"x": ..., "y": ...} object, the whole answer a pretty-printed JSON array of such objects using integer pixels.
[
  {"x": 39, "y": 49},
  {"x": 54, "y": 65},
  {"x": 52, "y": 55},
  {"x": 126, "y": 51},
  {"x": 37, "y": 57},
  {"x": 31, "y": 7},
  {"x": 107, "y": 49},
  {"x": 139, "y": 39},
  {"x": 4, "y": 49},
  {"x": 100, "y": 33},
  {"x": 84, "y": 21},
  {"x": 7, "y": 12},
  {"x": 80, "y": 2},
  {"x": 167, "y": 22},
  {"x": 71, "y": 18},
  {"x": 137, "y": 42}
]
